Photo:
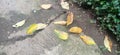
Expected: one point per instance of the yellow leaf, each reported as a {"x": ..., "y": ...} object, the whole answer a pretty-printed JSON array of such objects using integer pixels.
[
  {"x": 31, "y": 29},
  {"x": 34, "y": 27},
  {"x": 65, "y": 5},
  {"x": 62, "y": 35},
  {"x": 46, "y": 6},
  {"x": 108, "y": 43},
  {"x": 75, "y": 30},
  {"x": 69, "y": 18},
  {"x": 19, "y": 24},
  {"x": 88, "y": 40},
  {"x": 60, "y": 22},
  {"x": 41, "y": 26}
]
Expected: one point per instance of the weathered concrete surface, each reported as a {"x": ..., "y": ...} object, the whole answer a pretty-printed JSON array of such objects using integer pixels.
[{"x": 14, "y": 41}]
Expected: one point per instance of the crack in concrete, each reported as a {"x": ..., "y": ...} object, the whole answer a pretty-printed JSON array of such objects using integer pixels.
[
  {"x": 21, "y": 35},
  {"x": 54, "y": 18}
]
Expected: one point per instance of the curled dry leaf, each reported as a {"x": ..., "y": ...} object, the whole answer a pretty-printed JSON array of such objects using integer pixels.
[
  {"x": 70, "y": 18},
  {"x": 75, "y": 30},
  {"x": 64, "y": 5},
  {"x": 19, "y": 24},
  {"x": 88, "y": 40},
  {"x": 60, "y": 22},
  {"x": 62, "y": 35},
  {"x": 41, "y": 26},
  {"x": 108, "y": 43},
  {"x": 46, "y": 6}
]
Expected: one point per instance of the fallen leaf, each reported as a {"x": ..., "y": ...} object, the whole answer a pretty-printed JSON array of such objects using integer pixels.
[
  {"x": 88, "y": 40},
  {"x": 46, "y": 6},
  {"x": 69, "y": 18},
  {"x": 60, "y": 22},
  {"x": 65, "y": 5},
  {"x": 31, "y": 29},
  {"x": 62, "y": 35},
  {"x": 34, "y": 27},
  {"x": 108, "y": 43},
  {"x": 19, "y": 24},
  {"x": 41, "y": 26},
  {"x": 75, "y": 30}
]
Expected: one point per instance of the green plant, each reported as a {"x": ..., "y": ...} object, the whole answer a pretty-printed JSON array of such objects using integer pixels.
[{"x": 107, "y": 12}]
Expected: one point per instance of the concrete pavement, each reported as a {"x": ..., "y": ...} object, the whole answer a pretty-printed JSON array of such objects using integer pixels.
[{"x": 44, "y": 42}]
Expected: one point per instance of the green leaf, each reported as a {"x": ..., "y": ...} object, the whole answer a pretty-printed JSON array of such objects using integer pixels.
[{"x": 89, "y": 3}]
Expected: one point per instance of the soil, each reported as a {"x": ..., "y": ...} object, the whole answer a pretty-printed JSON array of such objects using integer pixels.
[{"x": 90, "y": 28}]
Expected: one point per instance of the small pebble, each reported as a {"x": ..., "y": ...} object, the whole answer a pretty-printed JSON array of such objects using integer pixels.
[
  {"x": 8, "y": 32},
  {"x": 83, "y": 11},
  {"x": 34, "y": 11}
]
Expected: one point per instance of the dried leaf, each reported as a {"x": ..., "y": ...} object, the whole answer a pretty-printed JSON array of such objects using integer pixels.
[
  {"x": 60, "y": 22},
  {"x": 65, "y": 5},
  {"x": 41, "y": 26},
  {"x": 34, "y": 27},
  {"x": 70, "y": 18},
  {"x": 62, "y": 35},
  {"x": 88, "y": 40},
  {"x": 19, "y": 24},
  {"x": 108, "y": 43},
  {"x": 31, "y": 29},
  {"x": 46, "y": 6},
  {"x": 75, "y": 30}
]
